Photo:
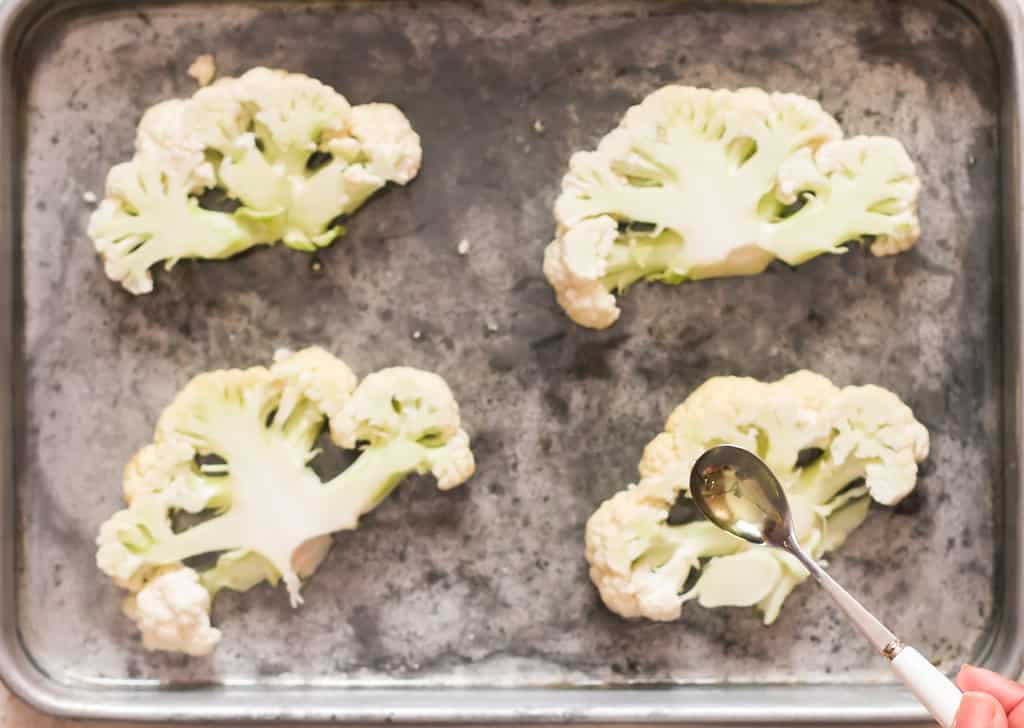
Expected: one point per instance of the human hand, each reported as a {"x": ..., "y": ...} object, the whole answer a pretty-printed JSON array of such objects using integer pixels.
[{"x": 990, "y": 700}]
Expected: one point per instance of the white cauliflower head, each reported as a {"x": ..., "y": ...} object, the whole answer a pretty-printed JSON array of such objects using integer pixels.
[
  {"x": 402, "y": 404},
  {"x": 834, "y": 451},
  {"x": 239, "y": 443},
  {"x": 287, "y": 155},
  {"x": 316, "y": 375},
  {"x": 172, "y": 611},
  {"x": 391, "y": 147},
  {"x": 168, "y": 467},
  {"x": 703, "y": 183},
  {"x": 165, "y": 136},
  {"x": 576, "y": 268}
]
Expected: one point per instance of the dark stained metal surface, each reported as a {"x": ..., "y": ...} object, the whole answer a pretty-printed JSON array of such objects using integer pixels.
[{"x": 486, "y": 586}]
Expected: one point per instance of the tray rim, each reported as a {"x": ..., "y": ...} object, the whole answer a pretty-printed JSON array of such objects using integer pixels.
[{"x": 695, "y": 704}]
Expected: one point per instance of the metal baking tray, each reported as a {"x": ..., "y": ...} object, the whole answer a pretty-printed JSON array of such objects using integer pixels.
[{"x": 474, "y": 606}]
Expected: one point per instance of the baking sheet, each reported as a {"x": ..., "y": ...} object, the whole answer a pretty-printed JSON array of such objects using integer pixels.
[{"x": 486, "y": 586}]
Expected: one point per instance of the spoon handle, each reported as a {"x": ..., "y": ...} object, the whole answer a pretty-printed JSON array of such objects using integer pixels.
[
  {"x": 934, "y": 690},
  {"x": 931, "y": 687},
  {"x": 866, "y": 623}
]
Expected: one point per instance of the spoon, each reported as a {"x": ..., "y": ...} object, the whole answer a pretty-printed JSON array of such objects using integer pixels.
[{"x": 741, "y": 495}]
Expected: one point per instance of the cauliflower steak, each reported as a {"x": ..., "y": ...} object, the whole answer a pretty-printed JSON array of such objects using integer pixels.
[
  {"x": 236, "y": 445},
  {"x": 834, "y": 451},
  {"x": 288, "y": 157},
  {"x": 696, "y": 183}
]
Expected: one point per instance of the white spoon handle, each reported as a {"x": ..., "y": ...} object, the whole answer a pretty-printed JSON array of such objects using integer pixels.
[{"x": 931, "y": 687}]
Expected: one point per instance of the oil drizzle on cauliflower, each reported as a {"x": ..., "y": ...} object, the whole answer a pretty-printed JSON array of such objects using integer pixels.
[{"x": 834, "y": 450}]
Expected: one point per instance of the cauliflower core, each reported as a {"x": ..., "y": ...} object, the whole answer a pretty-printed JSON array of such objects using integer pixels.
[
  {"x": 696, "y": 183},
  {"x": 246, "y": 161},
  {"x": 833, "y": 449},
  {"x": 236, "y": 446}
]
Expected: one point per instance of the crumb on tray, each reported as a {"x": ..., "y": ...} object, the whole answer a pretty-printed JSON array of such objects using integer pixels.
[
  {"x": 463, "y": 247},
  {"x": 89, "y": 197},
  {"x": 203, "y": 69}
]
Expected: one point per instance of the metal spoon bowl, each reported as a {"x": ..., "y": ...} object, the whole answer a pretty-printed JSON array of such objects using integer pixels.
[{"x": 740, "y": 494}]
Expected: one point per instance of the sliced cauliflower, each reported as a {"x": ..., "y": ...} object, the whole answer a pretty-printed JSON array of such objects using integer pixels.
[
  {"x": 288, "y": 157},
  {"x": 834, "y": 451},
  {"x": 696, "y": 183},
  {"x": 236, "y": 446}
]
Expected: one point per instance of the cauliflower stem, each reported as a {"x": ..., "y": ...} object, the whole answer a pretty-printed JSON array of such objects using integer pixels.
[{"x": 254, "y": 520}]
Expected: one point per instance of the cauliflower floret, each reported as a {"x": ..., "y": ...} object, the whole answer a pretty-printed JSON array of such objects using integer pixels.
[
  {"x": 286, "y": 154},
  {"x": 391, "y": 146},
  {"x": 639, "y": 567},
  {"x": 316, "y": 375},
  {"x": 149, "y": 216},
  {"x": 886, "y": 164},
  {"x": 172, "y": 612},
  {"x": 169, "y": 468},
  {"x": 164, "y": 136},
  {"x": 400, "y": 401},
  {"x": 216, "y": 115},
  {"x": 295, "y": 110},
  {"x": 118, "y": 538},
  {"x": 576, "y": 264},
  {"x": 453, "y": 463},
  {"x": 612, "y": 548},
  {"x": 273, "y": 515},
  {"x": 874, "y": 426},
  {"x": 872, "y": 192},
  {"x": 704, "y": 184},
  {"x": 834, "y": 451},
  {"x": 408, "y": 404},
  {"x": 797, "y": 175}
]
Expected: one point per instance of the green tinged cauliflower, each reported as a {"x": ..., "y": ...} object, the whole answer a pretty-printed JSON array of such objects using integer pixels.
[
  {"x": 696, "y": 183},
  {"x": 287, "y": 152},
  {"x": 834, "y": 451},
  {"x": 269, "y": 515}
]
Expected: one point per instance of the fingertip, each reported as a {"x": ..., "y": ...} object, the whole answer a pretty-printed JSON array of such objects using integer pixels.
[
  {"x": 966, "y": 677},
  {"x": 980, "y": 710},
  {"x": 978, "y": 679}
]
